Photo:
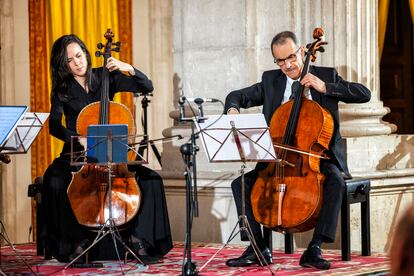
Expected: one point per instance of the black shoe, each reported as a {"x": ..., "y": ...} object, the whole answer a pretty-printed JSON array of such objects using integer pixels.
[
  {"x": 249, "y": 258},
  {"x": 312, "y": 258},
  {"x": 79, "y": 250},
  {"x": 62, "y": 258},
  {"x": 140, "y": 249}
]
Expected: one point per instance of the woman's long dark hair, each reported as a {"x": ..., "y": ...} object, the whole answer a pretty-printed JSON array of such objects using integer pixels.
[{"x": 59, "y": 67}]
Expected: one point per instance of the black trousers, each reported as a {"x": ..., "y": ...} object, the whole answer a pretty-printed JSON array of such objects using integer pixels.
[
  {"x": 333, "y": 191},
  {"x": 62, "y": 233}
]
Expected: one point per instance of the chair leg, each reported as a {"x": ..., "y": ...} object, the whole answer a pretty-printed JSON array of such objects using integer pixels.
[
  {"x": 39, "y": 228},
  {"x": 365, "y": 228},
  {"x": 267, "y": 234},
  {"x": 345, "y": 226}
]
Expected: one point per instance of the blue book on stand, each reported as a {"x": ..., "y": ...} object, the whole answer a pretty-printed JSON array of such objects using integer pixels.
[{"x": 97, "y": 142}]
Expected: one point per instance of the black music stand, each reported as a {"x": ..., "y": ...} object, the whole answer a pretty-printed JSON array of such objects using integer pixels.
[
  {"x": 18, "y": 130},
  {"x": 107, "y": 142},
  {"x": 239, "y": 138}
]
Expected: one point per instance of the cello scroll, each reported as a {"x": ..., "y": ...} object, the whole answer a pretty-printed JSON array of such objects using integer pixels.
[{"x": 317, "y": 46}]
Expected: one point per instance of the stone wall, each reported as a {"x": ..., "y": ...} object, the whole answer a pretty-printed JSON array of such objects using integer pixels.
[{"x": 220, "y": 46}]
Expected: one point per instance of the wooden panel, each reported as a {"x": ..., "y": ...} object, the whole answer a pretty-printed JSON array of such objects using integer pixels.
[
  {"x": 391, "y": 81},
  {"x": 396, "y": 67}
]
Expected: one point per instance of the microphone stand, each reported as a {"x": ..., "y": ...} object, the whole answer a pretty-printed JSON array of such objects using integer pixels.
[
  {"x": 189, "y": 151},
  {"x": 144, "y": 142},
  {"x": 109, "y": 226}
]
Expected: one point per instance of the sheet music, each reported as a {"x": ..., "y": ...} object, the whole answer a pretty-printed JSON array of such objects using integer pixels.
[
  {"x": 100, "y": 151},
  {"x": 253, "y": 132},
  {"x": 9, "y": 117},
  {"x": 80, "y": 158}
]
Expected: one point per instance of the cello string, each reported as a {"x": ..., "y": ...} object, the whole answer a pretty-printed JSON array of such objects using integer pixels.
[
  {"x": 105, "y": 95},
  {"x": 289, "y": 136}
]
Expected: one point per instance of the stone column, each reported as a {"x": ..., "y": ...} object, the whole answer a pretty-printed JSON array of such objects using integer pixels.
[{"x": 355, "y": 26}]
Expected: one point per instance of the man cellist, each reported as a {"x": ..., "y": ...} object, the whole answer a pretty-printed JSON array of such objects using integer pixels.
[{"x": 327, "y": 88}]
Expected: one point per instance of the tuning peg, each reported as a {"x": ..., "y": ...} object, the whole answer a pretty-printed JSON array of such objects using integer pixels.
[
  {"x": 118, "y": 43},
  {"x": 98, "y": 54},
  {"x": 116, "y": 49},
  {"x": 99, "y": 45}
]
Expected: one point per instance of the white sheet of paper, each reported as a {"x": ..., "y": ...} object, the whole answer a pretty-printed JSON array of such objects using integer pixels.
[
  {"x": 252, "y": 130},
  {"x": 26, "y": 132},
  {"x": 10, "y": 117}
]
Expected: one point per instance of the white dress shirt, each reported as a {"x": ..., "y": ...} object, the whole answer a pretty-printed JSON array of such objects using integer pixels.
[{"x": 288, "y": 91}]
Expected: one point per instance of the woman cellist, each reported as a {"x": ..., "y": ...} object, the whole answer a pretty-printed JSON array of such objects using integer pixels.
[
  {"x": 74, "y": 85},
  {"x": 326, "y": 88}
]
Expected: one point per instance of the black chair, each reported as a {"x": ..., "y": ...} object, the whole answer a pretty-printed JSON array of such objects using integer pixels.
[
  {"x": 357, "y": 191},
  {"x": 34, "y": 190}
]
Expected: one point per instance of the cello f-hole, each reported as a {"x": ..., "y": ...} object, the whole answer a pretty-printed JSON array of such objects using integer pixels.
[
  {"x": 86, "y": 173},
  {"x": 302, "y": 173}
]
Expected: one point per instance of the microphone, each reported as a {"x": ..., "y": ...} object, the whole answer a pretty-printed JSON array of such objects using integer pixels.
[
  {"x": 202, "y": 100},
  {"x": 181, "y": 102}
]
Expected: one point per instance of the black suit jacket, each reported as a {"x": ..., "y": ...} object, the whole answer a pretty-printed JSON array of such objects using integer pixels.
[{"x": 269, "y": 93}]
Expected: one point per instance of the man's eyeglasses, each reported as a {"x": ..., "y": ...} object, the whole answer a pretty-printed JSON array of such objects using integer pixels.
[{"x": 291, "y": 58}]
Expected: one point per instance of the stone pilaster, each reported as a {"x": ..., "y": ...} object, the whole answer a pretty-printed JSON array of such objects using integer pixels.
[
  {"x": 15, "y": 90},
  {"x": 152, "y": 42}
]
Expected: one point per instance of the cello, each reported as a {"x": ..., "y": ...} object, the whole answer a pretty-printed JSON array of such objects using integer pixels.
[
  {"x": 88, "y": 190},
  {"x": 287, "y": 195}
]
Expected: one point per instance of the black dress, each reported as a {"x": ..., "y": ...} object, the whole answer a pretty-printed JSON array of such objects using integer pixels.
[{"x": 62, "y": 233}]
